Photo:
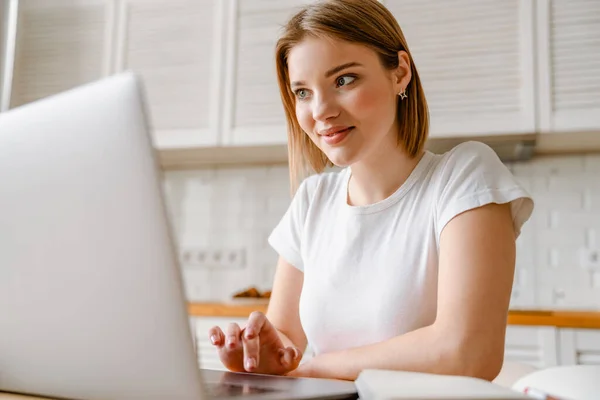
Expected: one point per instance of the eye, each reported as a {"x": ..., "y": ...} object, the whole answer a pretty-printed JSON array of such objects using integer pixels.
[
  {"x": 301, "y": 94},
  {"x": 344, "y": 80}
]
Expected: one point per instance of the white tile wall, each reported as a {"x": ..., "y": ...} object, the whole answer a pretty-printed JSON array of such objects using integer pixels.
[
  {"x": 228, "y": 208},
  {"x": 559, "y": 246},
  {"x": 558, "y": 252}
]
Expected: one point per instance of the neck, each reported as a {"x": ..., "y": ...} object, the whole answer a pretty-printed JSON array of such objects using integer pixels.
[{"x": 379, "y": 175}]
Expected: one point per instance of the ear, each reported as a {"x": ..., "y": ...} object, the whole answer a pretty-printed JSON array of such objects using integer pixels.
[{"x": 402, "y": 74}]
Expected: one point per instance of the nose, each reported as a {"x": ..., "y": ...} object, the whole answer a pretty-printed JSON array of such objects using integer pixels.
[{"x": 324, "y": 107}]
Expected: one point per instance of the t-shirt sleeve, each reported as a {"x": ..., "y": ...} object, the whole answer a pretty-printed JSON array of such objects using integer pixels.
[
  {"x": 286, "y": 237},
  {"x": 474, "y": 176}
]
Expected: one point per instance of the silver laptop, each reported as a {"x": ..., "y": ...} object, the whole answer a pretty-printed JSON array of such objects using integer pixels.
[{"x": 91, "y": 300}]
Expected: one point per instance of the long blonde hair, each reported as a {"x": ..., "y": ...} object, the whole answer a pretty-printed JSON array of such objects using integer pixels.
[{"x": 365, "y": 22}]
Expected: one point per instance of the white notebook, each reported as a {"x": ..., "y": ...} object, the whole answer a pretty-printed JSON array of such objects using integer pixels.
[{"x": 393, "y": 385}]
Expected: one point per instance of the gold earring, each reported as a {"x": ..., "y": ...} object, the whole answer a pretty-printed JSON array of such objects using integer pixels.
[{"x": 402, "y": 94}]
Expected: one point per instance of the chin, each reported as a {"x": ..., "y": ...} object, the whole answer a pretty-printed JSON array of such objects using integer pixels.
[{"x": 341, "y": 158}]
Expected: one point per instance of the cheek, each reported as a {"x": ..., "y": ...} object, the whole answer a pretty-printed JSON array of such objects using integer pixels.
[
  {"x": 304, "y": 117},
  {"x": 371, "y": 103}
]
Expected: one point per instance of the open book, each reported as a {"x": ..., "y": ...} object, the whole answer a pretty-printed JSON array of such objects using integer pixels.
[{"x": 392, "y": 385}]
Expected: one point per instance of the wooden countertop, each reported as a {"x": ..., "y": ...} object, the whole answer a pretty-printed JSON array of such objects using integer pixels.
[{"x": 561, "y": 319}]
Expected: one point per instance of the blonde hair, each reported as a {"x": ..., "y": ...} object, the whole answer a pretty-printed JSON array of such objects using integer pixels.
[{"x": 365, "y": 22}]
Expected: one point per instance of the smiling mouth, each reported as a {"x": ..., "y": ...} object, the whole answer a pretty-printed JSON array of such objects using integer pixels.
[
  {"x": 348, "y": 129},
  {"x": 337, "y": 138}
]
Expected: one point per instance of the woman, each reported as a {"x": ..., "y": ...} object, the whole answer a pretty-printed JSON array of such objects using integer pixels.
[{"x": 404, "y": 260}]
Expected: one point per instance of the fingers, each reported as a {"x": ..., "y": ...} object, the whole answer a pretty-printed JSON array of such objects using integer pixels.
[
  {"x": 232, "y": 338},
  {"x": 290, "y": 357},
  {"x": 255, "y": 324},
  {"x": 216, "y": 336},
  {"x": 251, "y": 340}
]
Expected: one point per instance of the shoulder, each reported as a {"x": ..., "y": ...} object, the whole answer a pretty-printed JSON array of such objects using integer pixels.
[
  {"x": 472, "y": 175},
  {"x": 471, "y": 162},
  {"x": 316, "y": 190},
  {"x": 471, "y": 153},
  {"x": 324, "y": 184}
]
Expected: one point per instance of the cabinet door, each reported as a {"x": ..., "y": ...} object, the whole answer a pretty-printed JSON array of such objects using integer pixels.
[
  {"x": 475, "y": 60},
  {"x": 579, "y": 346},
  {"x": 569, "y": 61},
  {"x": 253, "y": 110},
  {"x": 60, "y": 44},
  {"x": 536, "y": 346},
  {"x": 175, "y": 46}
]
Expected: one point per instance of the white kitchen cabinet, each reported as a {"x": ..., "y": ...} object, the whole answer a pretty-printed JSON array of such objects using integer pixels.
[
  {"x": 60, "y": 44},
  {"x": 253, "y": 111},
  {"x": 536, "y": 346},
  {"x": 489, "y": 67},
  {"x": 475, "y": 59},
  {"x": 476, "y": 62},
  {"x": 579, "y": 346},
  {"x": 176, "y": 47},
  {"x": 568, "y": 51},
  {"x": 547, "y": 346}
]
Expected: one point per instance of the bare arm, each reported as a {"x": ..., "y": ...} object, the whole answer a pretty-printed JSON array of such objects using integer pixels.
[
  {"x": 477, "y": 260},
  {"x": 283, "y": 306}
]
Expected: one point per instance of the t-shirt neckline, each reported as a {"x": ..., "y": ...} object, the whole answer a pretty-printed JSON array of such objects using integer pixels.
[{"x": 414, "y": 176}]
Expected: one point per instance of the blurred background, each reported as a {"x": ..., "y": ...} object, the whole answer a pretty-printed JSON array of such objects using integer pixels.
[{"x": 521, "y": 75}]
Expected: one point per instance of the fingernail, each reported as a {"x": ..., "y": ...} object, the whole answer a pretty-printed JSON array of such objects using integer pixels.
[
  {"x": 249, "y": 333},
  {"x": 296, "y": 353},
  {"x": 250, "y": 363},
  {"x": 230, "y": 342},
  {"x": 213, "y": 339}
]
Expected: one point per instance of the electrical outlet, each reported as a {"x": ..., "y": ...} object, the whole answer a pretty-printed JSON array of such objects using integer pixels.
[
  {"x": 204, "y": 257},
  {"x": 590, "y": 258}
]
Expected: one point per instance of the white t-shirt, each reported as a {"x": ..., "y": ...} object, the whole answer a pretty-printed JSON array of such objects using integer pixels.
[{"x": 370, "y": 272}]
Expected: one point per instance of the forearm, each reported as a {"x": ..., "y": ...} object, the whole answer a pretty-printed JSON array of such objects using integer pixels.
[{"x": 428, "y": 349}]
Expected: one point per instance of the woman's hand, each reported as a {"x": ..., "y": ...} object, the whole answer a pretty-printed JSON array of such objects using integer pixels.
[{"x": 256, "y": 348}]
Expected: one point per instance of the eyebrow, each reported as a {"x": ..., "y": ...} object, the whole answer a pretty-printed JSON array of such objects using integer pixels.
[{"x": 331, "y": 72}]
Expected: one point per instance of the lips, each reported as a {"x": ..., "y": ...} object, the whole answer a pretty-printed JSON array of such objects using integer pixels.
[
  {"x": 334, "y": 129},
  {"x": 335, "y": 135}
]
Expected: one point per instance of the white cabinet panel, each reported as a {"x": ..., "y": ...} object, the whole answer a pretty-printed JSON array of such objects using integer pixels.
[
  {"x": 175, "y": 46},
  {"x": 569, "y": 61},
  {"x": 60, "y": 44},
  {"x": 475, "y": 61},
  {"x": 253, "y": 110},
  {"x": 536, "y": 346},
  {"x": 587, "y": 344},
  {"x": 580, "y": 346}
]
